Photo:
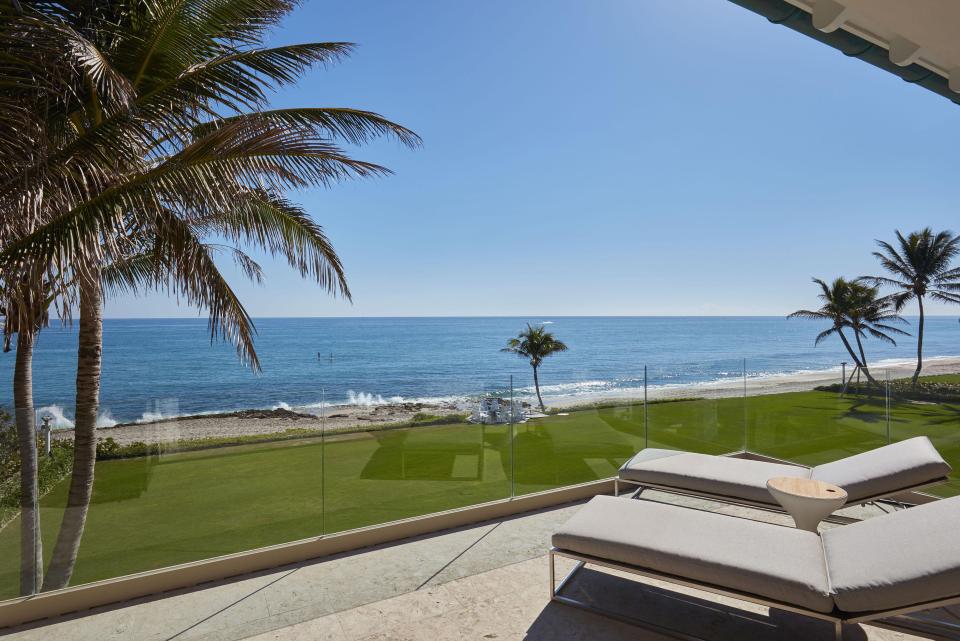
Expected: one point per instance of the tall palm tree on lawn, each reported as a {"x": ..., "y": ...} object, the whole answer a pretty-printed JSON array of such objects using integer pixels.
[
  {"x": 919, "y": 266},
  {"x": 535, "y": 343},
  {"x": 195, "y": 155}
]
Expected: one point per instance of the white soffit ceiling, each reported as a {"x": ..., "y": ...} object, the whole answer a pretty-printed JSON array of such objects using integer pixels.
[{"x": 925, "y": 32}]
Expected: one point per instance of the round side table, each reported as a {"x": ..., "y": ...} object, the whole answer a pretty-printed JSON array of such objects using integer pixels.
[{"x": 806, "y": 500}]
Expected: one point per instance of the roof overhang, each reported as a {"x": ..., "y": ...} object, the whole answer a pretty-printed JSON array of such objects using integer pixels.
[{"x": 917, "y": 40}]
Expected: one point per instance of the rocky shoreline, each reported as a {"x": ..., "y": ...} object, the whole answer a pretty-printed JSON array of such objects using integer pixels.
[{"x": 256, "y": 422}]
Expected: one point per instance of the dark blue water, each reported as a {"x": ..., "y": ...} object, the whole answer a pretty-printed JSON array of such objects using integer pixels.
[{"x": 169, "y": 366}]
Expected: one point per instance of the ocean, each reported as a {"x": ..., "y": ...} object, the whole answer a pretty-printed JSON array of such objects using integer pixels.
[{"x": 167, "y": 367}]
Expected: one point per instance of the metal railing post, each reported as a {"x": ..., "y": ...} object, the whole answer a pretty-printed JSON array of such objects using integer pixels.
[
  {"x": 646, "y": 421},
  {"x": 745, "y": 448},
  {"x": 886, "y": 399},
  {"x": 513, "y": 469},
  {"x": 323, "y": 462}
]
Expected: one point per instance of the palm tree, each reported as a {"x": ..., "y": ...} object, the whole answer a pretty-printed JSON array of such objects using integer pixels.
[
  {"x": 852, "y": 305},
  {"x": 24, "y": 317},
  {"x": 921, "y": 265},
  {"x": 193, "y": 154},
  {"x": 870, "y": 314},
  {"x": 47, "y": 64},
  {"x": 535, "y": 343}
]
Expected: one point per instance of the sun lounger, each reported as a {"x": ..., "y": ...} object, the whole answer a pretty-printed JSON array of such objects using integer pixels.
[
  {"x": 903, "y": 562},
  {"x": 885, "y": 471}
]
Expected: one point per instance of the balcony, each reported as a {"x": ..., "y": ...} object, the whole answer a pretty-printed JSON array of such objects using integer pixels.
[
  {"x": 294, "y": 505},
  {"x": 485, "y": 581}
]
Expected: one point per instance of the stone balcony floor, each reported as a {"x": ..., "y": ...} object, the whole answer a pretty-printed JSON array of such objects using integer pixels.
[{"x": 486, "y": 581}]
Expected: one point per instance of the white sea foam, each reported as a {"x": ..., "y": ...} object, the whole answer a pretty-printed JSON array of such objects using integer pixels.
[
  {"x": 576, "y": 388},
  {"x": 60, "y": 421},
  {"x": 366, "y": 399},
  {"x": 105, "y": 419}
]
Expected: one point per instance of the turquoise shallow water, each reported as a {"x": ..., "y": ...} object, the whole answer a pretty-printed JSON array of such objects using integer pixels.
[{"x": 168, "y": 366}]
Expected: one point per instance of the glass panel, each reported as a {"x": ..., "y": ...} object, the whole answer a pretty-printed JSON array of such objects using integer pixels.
[
  {"x": 584, "y": 436},
  {"x": 932, "y": 409},
  {"x": 169, "y": 490},
  {"x": 687, "y": 411},
  {"x": 809, "y": 418},
  {"x": 427, "y": 463}
]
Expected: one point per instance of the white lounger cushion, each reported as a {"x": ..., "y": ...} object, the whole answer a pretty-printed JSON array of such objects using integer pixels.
[
  {"x": 885, "y": 470},
  {"x": 900, "y": 559},
  {"x": 907, "y": 558},
  {"x": 779, "y": 563},
  {"x": 705, "y": 474}
]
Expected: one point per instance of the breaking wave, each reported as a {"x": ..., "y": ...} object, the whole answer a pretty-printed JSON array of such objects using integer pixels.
[
  {"x": 366, "y": 399},
  {"x": 60, "y": 421}
]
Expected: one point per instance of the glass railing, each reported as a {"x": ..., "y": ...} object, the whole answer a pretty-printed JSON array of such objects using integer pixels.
[
  {"x": 684, "y": 415},
  {"x": 577, "y": 440},
  {"x": 932, "y": 409},
  {"x": 428, "y": 462},
  {"x": 172, "y": 489},
  {"x": 808, "y": 419}
]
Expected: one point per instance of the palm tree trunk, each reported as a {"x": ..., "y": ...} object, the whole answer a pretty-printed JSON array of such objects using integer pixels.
[
  {"x": 89, "y": 353},
  {"x": 916, "y": 374},
  {"x": 863, "y": 355},
  {"x": 863, "y": 360},
  {"x": 31, "y": 548},
  {"x": 536, "y": 384},
  {"x": 853, "y": 355}
]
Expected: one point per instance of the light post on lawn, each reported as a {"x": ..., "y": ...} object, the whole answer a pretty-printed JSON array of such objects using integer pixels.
[
  {"x": 843, "y": 378},
  {"x": 46, "y": 429}
]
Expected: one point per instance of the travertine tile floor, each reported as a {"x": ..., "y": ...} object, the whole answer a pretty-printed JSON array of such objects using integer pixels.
[{"x": 487, "y": 581}]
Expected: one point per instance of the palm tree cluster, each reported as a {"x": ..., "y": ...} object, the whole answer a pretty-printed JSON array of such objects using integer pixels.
[
  {"x": 854, "y": 306},
  {"x": 919, "y": 265},
  {"x": 137, "y": 148}
]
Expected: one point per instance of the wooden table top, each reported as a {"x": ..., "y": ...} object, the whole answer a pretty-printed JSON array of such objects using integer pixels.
[{"x": 807, "y": 488}]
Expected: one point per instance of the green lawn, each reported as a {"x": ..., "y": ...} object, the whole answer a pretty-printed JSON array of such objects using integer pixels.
[{"x": 152, "y": 512}]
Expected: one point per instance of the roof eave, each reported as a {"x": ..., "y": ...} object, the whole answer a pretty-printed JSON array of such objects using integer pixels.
[{"x": 788, "y": 15}]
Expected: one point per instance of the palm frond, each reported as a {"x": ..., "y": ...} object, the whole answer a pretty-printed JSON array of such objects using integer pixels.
[
  {"x": 239, "y": 80},
  {"x": 265, "y": 220},
  {"x": 191, "y": 272},
  {"x": 824, "y": 335},
  {"x": 352, "y": 125}
]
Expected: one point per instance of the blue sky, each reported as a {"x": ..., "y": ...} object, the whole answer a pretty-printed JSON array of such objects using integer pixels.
[{"x": 611, "y": 157}]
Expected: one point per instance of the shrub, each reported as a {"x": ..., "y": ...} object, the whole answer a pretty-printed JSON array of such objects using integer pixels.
[
  {"x": 50, "y": 471},
  {"x": 107, "y": 448},
  {"x": 933, "y": 389}
]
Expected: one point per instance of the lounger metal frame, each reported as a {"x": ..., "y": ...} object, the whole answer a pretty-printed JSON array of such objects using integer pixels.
[{"x": 837, "y": 617}]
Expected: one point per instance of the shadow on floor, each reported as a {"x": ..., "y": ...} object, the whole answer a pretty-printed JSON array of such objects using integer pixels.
[{"x": 670, "y": 614}]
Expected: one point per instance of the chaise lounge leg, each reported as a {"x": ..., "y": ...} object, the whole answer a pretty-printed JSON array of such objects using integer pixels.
[
  {"x": 553, "y": 578},
  {"x": 616, "y": 486},
  {"x": 838, "y": 630}
]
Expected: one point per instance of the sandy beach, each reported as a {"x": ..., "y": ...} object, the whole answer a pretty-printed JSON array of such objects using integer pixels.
[
  {"x": 338, "y": 418},
  {"x": 769, "y": 384}
]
